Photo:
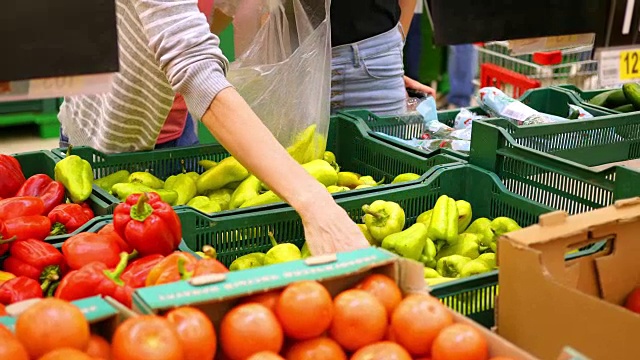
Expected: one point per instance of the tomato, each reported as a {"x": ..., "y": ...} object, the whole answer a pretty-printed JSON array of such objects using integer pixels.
[
  {"x": 10, "y": 347},
  {"x": 384, "y": 350},
  {"x": 383, "y": 288},
  {"x": 316, "y": 349},
  {"x": 359, "y": 319},
  {"x": 146, "y": 337},
  {"x": 416, "y": 322},
  {"x": 66, "y": 354},
  {"x": 51, "y": 324},
  {"x": 195, "y": 331},
  {"x": 268, "y": 299},
  {"x": 265, "y": 355},
  {"x": 633, "y": 301},
  {"x": 460, "y": 342},
  {"x": 305, "y": 310},
  {"x": 249, "y": 329},
  {"x": 99, "y": 348}
]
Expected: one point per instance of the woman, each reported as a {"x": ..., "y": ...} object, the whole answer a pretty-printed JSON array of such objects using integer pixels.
[
  {"x": 367, "y": 70},
  {"x": 166, "y": 47}
]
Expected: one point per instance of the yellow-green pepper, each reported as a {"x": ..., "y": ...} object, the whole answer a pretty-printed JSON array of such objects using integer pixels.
[
  {"x": 76, "y": 175},
  {"x": 106, "y": 182}
]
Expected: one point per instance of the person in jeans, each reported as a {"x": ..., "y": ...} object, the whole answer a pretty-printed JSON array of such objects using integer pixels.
[
  {"x": 166, "y": 47},
  {"x": 367, "y": 70},
  {"x": 462, "y": 65}
]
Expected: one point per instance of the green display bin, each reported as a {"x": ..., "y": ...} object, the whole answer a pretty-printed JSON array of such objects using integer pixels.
[
  {"x": 43, "y": 162},
  {"x": 554, "y": 101},
  {"x": 355, "y": 151},
  {"x": 43, "y": 113},
  {"x": 554, "y": 163},
  {"x": 583, "y": 97},
  {"x": 234, "y": 235}
]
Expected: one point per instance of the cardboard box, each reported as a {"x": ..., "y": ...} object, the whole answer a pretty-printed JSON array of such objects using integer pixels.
[
  {"x": 545, "y": 303},
  {"x": 102, "y": 316},
  {"x": 217, "y": 294}
]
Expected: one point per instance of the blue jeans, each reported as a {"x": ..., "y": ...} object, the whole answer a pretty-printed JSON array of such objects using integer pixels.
[
  {"x": 188, "y": 137},
  {"x": 369, "y": 75},
  {"x": 413, "y": 48},
  {"x": 462, "y": 66}
]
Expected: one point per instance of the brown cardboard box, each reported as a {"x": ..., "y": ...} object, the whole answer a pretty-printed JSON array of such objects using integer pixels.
[
  {"x": 337, "y": 273},
  {"x": 546, "y": 303}
]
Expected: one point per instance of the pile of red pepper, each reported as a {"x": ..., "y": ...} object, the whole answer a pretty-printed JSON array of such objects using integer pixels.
[
  {"x": 34, "y": 208},
  {"x": 137, "y": 250}
]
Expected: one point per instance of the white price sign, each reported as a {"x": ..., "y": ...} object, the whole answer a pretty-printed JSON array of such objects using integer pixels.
[
  {"x": 55, "y": 87},
  {"x": 618, "y": 65}
]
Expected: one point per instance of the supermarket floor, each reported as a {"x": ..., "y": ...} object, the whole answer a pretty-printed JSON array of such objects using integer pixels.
[{"x": 17, "y": 139}]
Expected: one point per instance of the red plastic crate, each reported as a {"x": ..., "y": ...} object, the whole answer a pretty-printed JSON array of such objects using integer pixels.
[{"x": 499, "y": 77}]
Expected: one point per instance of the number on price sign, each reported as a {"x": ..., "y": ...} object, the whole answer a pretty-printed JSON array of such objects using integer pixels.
[{"x": 630, "y": 65}]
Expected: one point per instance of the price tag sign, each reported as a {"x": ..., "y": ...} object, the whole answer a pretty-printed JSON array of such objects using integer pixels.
[
  {"x": 618, "y": 65},
  {"x": 55, "y": 87}
]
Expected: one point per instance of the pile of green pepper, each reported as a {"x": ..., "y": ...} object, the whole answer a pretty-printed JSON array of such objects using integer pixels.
[{"x": 442, "y": 238}]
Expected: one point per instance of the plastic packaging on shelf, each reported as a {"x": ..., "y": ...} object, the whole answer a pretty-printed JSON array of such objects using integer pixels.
[{"x": 498, "y": 104}]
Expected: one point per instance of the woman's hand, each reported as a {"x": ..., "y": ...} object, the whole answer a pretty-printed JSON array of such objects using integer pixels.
[
  {"x": 409, "y": 83},
  {"x": 328, "y": 228}
]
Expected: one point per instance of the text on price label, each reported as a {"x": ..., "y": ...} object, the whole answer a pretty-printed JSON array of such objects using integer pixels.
[{"x": 630, "y": 64}]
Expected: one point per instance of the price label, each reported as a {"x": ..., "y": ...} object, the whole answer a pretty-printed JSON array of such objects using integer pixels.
[
  {"x": 55, "y": 87},
  {"x": 618, "y": 65},
  {"x": 630, "y": 65}
]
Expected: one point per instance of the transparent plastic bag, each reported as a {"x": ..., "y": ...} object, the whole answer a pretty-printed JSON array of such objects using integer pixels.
[{"x": 284, "y": 71}]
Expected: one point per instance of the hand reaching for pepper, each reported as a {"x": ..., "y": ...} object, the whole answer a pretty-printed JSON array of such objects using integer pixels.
[{"x": 329, "y": 229}]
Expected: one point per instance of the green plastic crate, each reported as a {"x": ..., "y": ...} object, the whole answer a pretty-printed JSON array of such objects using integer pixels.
[
  {"x": 553, "y": 163},
  {"x": 554, "y": 101},
  {"x": 43, "y": 162},
  {"x": 43, "y": 113},
  {"x": 583, "y": 97},
  {"x": 234, "y": 235},
  {"x": 355, "y": 151}
]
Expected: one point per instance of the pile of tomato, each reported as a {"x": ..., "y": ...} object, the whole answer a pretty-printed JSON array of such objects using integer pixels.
[{"x": 300, "y": 322}]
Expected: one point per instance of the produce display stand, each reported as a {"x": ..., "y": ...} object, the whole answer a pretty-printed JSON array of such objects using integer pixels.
[
  {"x": 44, "y": 162},
  {"x": 554, "y": 163},
  {"x": 355, "y": 150},
  {"x": 585, "y": 95},
  {"x": 552, "y": 101},
  {"x": 234, "y": 235},
  {"x": 43, "y": 113}
]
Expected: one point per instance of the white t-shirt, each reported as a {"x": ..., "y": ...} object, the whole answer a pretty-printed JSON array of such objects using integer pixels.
[{"x": 419, "y": 7}]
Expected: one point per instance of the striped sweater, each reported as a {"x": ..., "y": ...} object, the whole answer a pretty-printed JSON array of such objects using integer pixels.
[{"x": 165, "y": 46}]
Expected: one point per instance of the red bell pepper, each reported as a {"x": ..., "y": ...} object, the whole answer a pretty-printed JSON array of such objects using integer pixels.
[
  {"x": 18, "y": 289},
  {"x": 26, "y": 227},
  {"x": 109, "y": 230},
  {"x": 37, "y": 260},
  {"x": 12, "y": 177},
  {"x": 148, "y": 224},
  {"x": 84, "y": 248},
  {"x": 166, "y": 271},
  {"x": 41, "y": 185},
  {"x": 67, "y": 218},
  {"x": 21, "y": 206},
  {"x": 135, "y": 275},
  {"x": 96, "y": 279}
]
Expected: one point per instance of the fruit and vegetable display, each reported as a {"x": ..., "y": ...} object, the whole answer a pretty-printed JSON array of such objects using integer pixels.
[
  {"x": 625, "y": 99},
  {"x": 227, "y": 185},
  {"x": 140, "y": 248},
  {"x": 303, "y": 321},
  {"x": 39, "y": 206},
  {"x": 444, "y": 238}
]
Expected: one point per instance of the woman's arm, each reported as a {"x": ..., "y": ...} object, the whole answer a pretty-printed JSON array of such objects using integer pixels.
[
  {"x": 189, "y": 54},
  {"x": 407, "y": 8}
]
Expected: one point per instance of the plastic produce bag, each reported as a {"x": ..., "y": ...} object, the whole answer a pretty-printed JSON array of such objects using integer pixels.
[
  {"x": 284, "y": 71},
  {"x": 498, "y": 104}
]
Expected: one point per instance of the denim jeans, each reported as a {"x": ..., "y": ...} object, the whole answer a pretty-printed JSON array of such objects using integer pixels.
[
  {"x": 188, "y": 137},
  {"x": 462, "y": 66},
  {"x": 369, "y": 75}
]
